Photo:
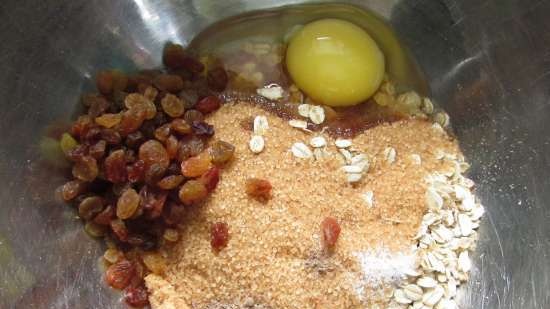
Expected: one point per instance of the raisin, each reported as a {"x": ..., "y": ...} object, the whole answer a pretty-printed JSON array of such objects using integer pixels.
[
  {"x": 259, "y": 189},
  {"x": 162, "y": 132},
  {"x": 68, "y": 143},
  {"x": 173, "y": 169},
  {"x": 151, "y": 93},
  {"x": 154, "y": 173},
  {"x": 180, "y": 126},
  {"x": 136, "y": 171},
  {"x": 208, "y": 104},
  {"x": 190, "y": 147},
  {"x": 170, "y": 182},
  {"x": 136, "y": 101},
  {"x": 105, "y": 217},
  {"x": 111, "y": 80},
  {"x": 201, "y": 128},
  {"x": 193, "y": 65},
  {"x": 169, "y": 83},
  {"x": 173, "y": 213},
  {"x": 211, "y": 178},
  {"x": 85, "y": 169},
  {"x": 98, "y": 107},
  {"x": 192, "y": 192},
  {"x": 97, "y": 150},
  {"x": 152, "y": 201},
  {"x": 173, "y": 56},
  {"x": 92, "y": 134},
  {"x": 247, "y": 124},
  {"x": 217, "y": 79},
  {"x": 330, "y": 231},
  {"x": 89, "y": 99},
  {"x": 72, "y": 189},
  {"x": 130, "y": 156},
  {"x": 115, "y": 166},
  {"x": 108, "y": 120},
  {"x": 95, "y": 230},
  {"x": 131, "y": 121},
  {"x": 81, "y": 126},
  {"x": 172, "y": 105},
  {"x": 134, "y": 139},
  {"x": 172, "y": 146},
  {"x": 119, "y": 274},
  {"x": 89, "y": 207},
  {"x": 154, "y": 262},
  {"x": 119, "y": 229},
  {"x": 111, "y": 136},
  {"x": 221, "y": 152},
  {"x": 189, "y": 97},
  {"x": 196, "y": 166},
  {"x": 127, "y": 204},
  {"x": 136, "y": 296},
  {"x": 104, "y": 82},
  {"x": 152, "y": 152},
  {"x": 193, "y": 115},
  {"x": 219, "y": 235},
  {"x": 78, "y": 152}
]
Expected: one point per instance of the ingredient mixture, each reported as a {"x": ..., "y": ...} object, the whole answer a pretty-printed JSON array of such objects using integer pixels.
[{"x": 221, "y": 182}]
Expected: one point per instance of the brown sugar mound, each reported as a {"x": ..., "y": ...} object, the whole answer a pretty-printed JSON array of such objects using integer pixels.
[{"x": 274, "y": 255}]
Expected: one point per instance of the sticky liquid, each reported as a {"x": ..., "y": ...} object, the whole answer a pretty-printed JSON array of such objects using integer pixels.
[{"x": 252, "y": 46}]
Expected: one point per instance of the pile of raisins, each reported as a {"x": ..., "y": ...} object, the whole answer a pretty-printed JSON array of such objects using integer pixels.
[{"x": 141, "y": 156}]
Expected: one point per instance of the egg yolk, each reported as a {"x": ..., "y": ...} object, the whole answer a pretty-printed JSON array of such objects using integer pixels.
[{"x": 335, "y": 62}]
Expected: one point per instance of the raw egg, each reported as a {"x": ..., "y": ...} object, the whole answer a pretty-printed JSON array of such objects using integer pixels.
[{"x": 335, "y": 62}]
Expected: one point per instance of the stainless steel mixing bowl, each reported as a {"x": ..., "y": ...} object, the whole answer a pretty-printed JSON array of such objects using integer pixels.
[{"x": 487, "y": 62}]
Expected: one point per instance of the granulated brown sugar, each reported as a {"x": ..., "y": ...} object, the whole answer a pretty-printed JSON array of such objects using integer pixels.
[{"x": 274, "y": 254}]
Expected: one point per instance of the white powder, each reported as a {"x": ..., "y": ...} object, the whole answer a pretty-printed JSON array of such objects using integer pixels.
[{"x": 382, "y": 266}]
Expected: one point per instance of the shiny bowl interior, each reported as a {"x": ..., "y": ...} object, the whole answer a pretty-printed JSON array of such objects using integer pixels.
[{"x": 487, "y": 64}]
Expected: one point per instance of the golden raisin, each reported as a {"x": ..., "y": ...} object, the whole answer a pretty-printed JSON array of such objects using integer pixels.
[
  {"x": 170, "y": 182},
  {"x": 172, "y": 105},
  {"x": 152, "y": 152},
  {"x": 221, "y": 152},
  {"x": 138, "y": 101},
  {"x": 196, "y": 166},
  {"x": 108, "y": 120},
  {"x": 72, "y": 189},
  {"x": 193, "y": 191},
  {"x": 127, "y": 204},
  {"x": 154, "y": 262},
  {"x": 85, "y": 169},
  {"x": 181, "y": 126},
  {"x": 89, "y": 207}
]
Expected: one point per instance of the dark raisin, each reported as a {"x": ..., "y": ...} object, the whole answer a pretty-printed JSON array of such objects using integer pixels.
[
  {"x": 173, "y": 213},
  {"x": 105, "y": 217},
  {"x": 169, "y": 83},
  {"x": 136, "y": 296},
  {"x": 111, "y": 136},
  {"x": 201, "y": 128},
  {"x": 115, "y": 166},
  {"x": 211, "y": 178},
  {"x": 217, "y": 79},
  {"x": 119, "y": 229},
  {"x": 136, "y": 171},
  {"x": 173, "y": 56},
  {"x": 154, "y": 173},
  {"x": 97, "y": 150},
  {"x": 208, "y": 104},
  {"x": 134, "y": 139}
]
